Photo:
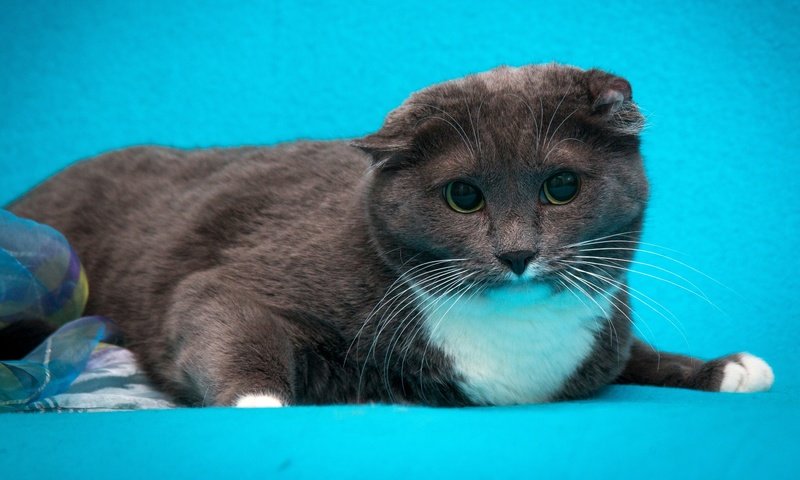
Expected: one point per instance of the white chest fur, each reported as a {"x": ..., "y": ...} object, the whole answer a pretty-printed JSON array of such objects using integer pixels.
[{"x": 517, "y": 344}]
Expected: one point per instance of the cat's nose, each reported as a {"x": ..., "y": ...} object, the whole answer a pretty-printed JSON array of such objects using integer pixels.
[{"x": 517, "y": 260}]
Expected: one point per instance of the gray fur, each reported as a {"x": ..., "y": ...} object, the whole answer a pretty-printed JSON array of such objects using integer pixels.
[{"x": 252, "y": 270}]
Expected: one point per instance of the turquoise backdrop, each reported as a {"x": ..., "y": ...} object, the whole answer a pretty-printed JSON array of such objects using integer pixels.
[{"x": 717, "y": 80}]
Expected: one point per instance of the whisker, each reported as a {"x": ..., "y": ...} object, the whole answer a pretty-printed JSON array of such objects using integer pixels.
[
  {"x": 578, "y": 244},
  {"x": 559, "y": 143},
  {"x": 609, "y": 297},
  {"x": 606, "y": 315},
  {"x": 558, "y": 128},
  {"x": 462, "y": 132},
  {"x": 409, "y": 275},
  {"x": 636, "y": 262},
  {"x": 433, "y": 284},
  {"x": 699, "y": 294},
  {"x": 553, "y": 116},
  {"x": 665, "y": 257},
  {"x": 630, "y": 291},
  {"x": 449, "y": 276},
  {"x": 474, "y": 130},
  {"x": 478, "y": 126},
  {"x": 408, "y": 319},
  {"x": 419, "y": 311},
  {"x": 441, "y": 286},
  {"x": 396, "y": 284},
  {"x": 464, "y": 289},
  {"x": 635, "y": 242},
  {"x": 541, "y": 123},
  {"x": 562, "y": 279}
]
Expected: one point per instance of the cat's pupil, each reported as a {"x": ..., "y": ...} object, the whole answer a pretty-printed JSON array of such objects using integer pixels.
[
  {"x": 561, "y": 187},
  {"x": 463, "y": 197}
]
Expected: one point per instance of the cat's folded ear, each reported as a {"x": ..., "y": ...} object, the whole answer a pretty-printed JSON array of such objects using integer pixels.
[
  {"x": 394, "y": 142},
  {"x": 612, "y": 102}
]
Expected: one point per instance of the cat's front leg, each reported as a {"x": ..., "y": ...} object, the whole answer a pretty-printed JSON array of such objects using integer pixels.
[
  {"x": 740, "y": 372},
  {"x": 229, "y": 350}
]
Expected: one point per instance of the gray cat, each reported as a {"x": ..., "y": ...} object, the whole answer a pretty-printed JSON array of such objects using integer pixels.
[{"x": 437, "y": 261}]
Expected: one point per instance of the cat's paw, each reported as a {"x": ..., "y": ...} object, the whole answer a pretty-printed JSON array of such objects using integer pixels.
[
  {"x": 746, "y": 373},
  {"x": 255, "y": 400}
]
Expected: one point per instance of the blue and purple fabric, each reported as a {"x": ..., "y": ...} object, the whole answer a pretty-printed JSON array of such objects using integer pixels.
[{"x": 41, "y": 278}]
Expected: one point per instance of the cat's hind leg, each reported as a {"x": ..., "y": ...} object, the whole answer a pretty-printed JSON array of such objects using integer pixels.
[
  {"x": 227, "y": 349},
  {"x": 740, "y": 372}
]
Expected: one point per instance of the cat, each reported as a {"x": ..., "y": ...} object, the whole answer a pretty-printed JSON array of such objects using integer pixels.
[{"x": 436, "y": 261}]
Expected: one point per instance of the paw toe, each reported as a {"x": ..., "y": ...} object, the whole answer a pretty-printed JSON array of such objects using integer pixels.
[
  {"x": 746, "y": 373},
  {"x": 258, "y": 401}
]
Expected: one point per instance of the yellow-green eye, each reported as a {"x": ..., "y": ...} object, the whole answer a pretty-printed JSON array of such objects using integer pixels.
[
  {"x": 561, "y": 188},
  {"x": 463, "y": 197}
]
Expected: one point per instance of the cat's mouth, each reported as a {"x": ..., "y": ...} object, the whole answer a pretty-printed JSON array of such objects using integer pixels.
[
  {"x": 450, "y": 277},
  {"x": 525, "y": 281},
  {"x": 537, "y": 276}
]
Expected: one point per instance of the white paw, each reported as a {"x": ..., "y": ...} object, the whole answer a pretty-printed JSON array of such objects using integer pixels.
[
  {"x": 747, "y": 373},
  {"x": 258, "y": 401}
]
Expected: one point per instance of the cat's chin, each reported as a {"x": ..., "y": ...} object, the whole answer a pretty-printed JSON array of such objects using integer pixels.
[{"x": 525, "y": 289}]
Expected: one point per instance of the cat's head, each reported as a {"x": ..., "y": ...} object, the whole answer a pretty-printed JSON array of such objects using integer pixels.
[{"x": 497, "y": 177}]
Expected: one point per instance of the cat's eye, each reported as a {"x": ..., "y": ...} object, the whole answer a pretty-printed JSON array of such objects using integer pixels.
[
  {"x": 561, "y": 188},
  {"x": 463, "y": 197}
]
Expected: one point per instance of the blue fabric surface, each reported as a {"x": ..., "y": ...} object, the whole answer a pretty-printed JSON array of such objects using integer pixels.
[
  {"x": 718, "y": 81},
  {"x": 630, "y": 433}
]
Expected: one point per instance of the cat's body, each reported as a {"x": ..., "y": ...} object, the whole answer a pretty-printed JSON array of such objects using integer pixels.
[{"x": 324, "y": 273}]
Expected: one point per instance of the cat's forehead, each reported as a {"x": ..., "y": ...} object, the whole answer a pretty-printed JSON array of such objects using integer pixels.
[
  {"x": 506, "y": 108},
  {"x": 504, "y": 85},
  {"x": 508, "y": 120},
  {"x": 510, "y": 163}
]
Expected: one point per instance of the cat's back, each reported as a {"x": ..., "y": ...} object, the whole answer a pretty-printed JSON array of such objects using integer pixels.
[
  {"x": 96, "y": 193},
  {"x": 160, "y": 187}
]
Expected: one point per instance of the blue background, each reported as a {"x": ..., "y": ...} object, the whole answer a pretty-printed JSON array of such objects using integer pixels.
[{"x": 718, "y": 82}]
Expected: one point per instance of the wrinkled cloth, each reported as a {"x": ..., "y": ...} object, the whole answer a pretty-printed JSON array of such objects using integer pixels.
[
  {"x": 112, "y": 380},
  {"x": 52, "y": 366}
]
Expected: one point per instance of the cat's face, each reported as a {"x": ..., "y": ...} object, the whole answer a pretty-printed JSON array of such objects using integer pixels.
[{"x": 499, "y": 175}]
